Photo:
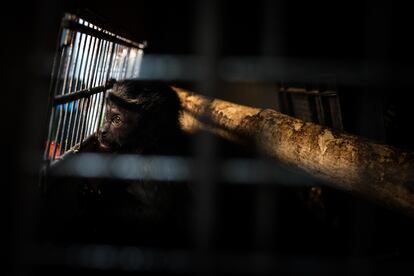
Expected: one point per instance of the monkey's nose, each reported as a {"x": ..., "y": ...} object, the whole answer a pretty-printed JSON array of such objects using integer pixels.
[{"x": 104, "y": 132}]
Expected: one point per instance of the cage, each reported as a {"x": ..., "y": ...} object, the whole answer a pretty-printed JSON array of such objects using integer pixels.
[{"x": 252, "y": 214}]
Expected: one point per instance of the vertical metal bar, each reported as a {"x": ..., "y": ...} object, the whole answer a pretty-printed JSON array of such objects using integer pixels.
[
  {"x": 46, "y": 155},
  {"x": 95, "y": 125},
  {"x": 90, "y": 62},
  {"x": 267, "y": 196},
  {"x": 102, "y": 56},
  {"x": 89, "y": 115},
  {"x": 96, "y": 62},
  {"x": 101, "y": 60},
  {"x": 97, "y": 56},
  {"x": 105, "y": 63},
  {"x": 57, "y": 132},
  {"x": 101, "y": 65},
  {"x": 120, "y": 63},
  {"x": 59, "y": 126},
  {"x": 81, "y": 108},
  {"x": 66, "y": 48},
  {"x": 57, "y": 66},
  {"x": 63, "y": 130},
  {"x": 70, "y": 126},
  {"x": 72, "y": 122},
  {"x": 88, "y": 76},
  {"x": 139, "y": 61},
  {"x": 130, "y": 62},
  {"x": 83, "y": 116},
  {"x": 56, "y": 135},
  {"x": 320, "y": 109},
  {"x": 81, "y": 84},
  {"x": 205, "y": 183},
  {"x": 85, "y": 40},
  {"x": 85, "y": 102},
  {"x": 108, "y": 72},
  {"x": 83, "y": 129},
  {"x": 99, "y": 81},
  {"x": 125, "y": 66},
  {"x": 117, "y": 69},
  {"x": 134, "y": 63},
  {"x": 114, "y": 62},
  {"x": 79, "y": 103},
  {"x": 95, "y": 112},
  {"x": 66, "y": 90},
  {"x": 69, "y": 64}
]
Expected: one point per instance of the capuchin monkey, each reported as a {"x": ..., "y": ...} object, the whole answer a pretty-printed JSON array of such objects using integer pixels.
[{"x": 141, "y": 117}]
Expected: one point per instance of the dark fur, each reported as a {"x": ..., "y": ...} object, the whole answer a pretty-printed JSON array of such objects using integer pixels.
[
  {"x": 151, "y": 122},
  {"x": 149, "y": 126}
]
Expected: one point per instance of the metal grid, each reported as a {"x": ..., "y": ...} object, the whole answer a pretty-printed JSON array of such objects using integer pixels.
[
  {"x": 311, "y": 105},
  {"x": 88, "y": 57},
  {"x": 88, "y": 93},
  {"x": 174, "y": 261}
]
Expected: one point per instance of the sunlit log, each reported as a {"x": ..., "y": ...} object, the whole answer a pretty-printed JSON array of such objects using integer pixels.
[{"x": 379, "y": 172}]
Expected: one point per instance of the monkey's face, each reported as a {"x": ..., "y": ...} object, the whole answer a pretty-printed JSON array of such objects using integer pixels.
[{"x": 118, "y": 129}]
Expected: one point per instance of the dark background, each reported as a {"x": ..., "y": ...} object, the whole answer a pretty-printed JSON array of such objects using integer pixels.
[{"x": 378, "y": 106}]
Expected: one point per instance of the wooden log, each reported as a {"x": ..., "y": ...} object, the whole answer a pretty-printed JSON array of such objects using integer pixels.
[{"x": 379, "y": 172}]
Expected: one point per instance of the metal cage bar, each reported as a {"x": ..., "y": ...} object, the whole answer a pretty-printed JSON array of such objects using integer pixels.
[{"x": 87, "y": 57}]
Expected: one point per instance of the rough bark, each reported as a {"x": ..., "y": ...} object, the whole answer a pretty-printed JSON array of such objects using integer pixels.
[{"x": 379, "y": 172}]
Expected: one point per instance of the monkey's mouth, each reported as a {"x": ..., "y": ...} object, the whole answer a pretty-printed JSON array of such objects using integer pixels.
[{"x": 103, "y": 145}]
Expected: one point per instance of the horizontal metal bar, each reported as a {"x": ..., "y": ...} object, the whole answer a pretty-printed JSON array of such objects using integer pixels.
[
  {"x": 108, "y": 257},
  {"x": 69, "y": 24},
  {"x": 293, "y": 90},
  {"x": 267, "y": 69},
  {"x": 101, "y": 22},
  {"x": 80, "y": 94},
  {"x": 239, "y": 171}
]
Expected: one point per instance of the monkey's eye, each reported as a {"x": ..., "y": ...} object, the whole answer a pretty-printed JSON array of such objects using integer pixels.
[{"x": 116, "y": 119}]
